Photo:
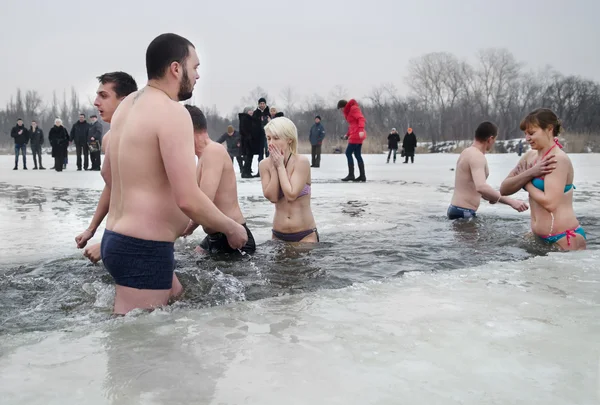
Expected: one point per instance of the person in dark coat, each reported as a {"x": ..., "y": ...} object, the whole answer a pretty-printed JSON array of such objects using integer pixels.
[
  {"x": 316, "y": 136},
  {"x": 393, "y": 141},
  {"x": 21, "y": 136},
  {"x": 262, "y": 116},
  {"x": 409, "y": 144},
  {"x": 58, "y": 137},
  {"x": 79, "y": 135},
  {"x": 246, "y": 141},
  {"x": 233, "y": 139},
  {"x": 36, "y": 140},
  {"x": 94, "y": 136}
]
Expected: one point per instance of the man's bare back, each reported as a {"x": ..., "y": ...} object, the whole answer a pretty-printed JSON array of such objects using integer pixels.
[
  {"x": 465, "y": 192},
  {"x": 216, "y": 164},
  {"x": 470, "y": 181},
  {"x": 216, "y": 178}
]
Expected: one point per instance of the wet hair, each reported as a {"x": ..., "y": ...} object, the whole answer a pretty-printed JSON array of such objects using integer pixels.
[
  {"x": 123, "y": 83},
  {"x": 284, "y": 128},
  {"x": 341, "y": 104},
  {"x": 80, "y": 114},
  {"x": 164, "y": 50},
  {"x": 485, "y": 131},
  {"x": 198, "y": 118},
  {"x": 542, "y": 118}
]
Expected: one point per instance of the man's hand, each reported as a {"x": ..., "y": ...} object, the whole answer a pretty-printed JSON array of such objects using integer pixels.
[
  {"x": 237, "y": 236},
  {"x": 189, "y": 229},
  {"x": 20, "y": 132},
  {"x": 361, "y": 134},
  {"x": 83, "y": 237},
  {"x": 93, "y": 253},
  {"x": 92, "y": 139},
  {"x": 519, "y": 206}
]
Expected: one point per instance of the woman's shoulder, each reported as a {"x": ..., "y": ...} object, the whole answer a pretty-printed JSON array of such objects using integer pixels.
[
  {"x": 265, "y": 163},
  {"x": 302, "y": 160}
]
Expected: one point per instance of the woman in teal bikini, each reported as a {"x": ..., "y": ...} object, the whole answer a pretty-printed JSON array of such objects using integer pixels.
[{"x": 546, "y": 173}]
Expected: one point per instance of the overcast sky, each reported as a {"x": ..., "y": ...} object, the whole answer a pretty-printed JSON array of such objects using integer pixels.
[{"x": 309, "y": 45}]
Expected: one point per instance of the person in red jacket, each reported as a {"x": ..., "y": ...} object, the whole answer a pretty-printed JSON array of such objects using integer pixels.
[{"x": 356, "y": 136}]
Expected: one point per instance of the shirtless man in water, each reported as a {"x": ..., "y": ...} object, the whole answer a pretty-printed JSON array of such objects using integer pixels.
[
  {"x": 471, "y": 175},
  {"x": 149, "y": 167},
  {"x": 216, "y": 178},
  {"x": 113, "y": 89}
]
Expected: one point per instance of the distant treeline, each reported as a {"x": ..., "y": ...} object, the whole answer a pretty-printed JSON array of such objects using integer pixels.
[{"x": 448, "y": 98}]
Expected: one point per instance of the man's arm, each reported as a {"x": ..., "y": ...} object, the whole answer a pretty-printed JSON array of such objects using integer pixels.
[
  {"x": 102, "y": 208},
  {"x": 222, "y": 138},
  {"x": 554, "y": 186},
  {"x": 176, "y": 142},
  {"x": 212, "y": 170},
  {"x": 477, "y": 165},
  {"x": 321, "y": 134},
  {"x": 269, "y": 181}
]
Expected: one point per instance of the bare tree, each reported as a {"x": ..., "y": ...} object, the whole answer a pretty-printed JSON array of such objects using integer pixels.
[{"x": 289, "y": 100}]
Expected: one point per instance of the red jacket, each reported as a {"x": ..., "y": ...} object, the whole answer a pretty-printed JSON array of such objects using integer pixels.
[{"x": 356, "y": 122}]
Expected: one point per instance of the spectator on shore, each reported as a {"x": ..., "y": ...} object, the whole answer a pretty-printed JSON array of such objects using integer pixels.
[
  {"x": 58, "y": 136},
  {"x": 21, "y": 136},
  {"x": 393, "y": 141},
  {"x": 262, "y": 116},
  {"x": 36, "y": 139},
  {"x": 409, "y": 144},
  {"x": 94, "y": 137},
  {"x": 355, "y": 136},
  {"x": 79, "y": 135},
  {"x": 233, "y": 139},
  {"x": 247, "y": 142},
  {"x": 316, "y": 136}
]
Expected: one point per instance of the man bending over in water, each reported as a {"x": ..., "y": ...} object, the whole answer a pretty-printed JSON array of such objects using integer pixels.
[
  {"x": 471, "y": 175},
  {"x": 113, "y": 89},
  {"x": 149, "y": 167},
  {"x": 216, "y": 178}
]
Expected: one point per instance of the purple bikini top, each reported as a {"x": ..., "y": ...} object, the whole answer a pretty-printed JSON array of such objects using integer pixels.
[{"x": 305, "y": 191}]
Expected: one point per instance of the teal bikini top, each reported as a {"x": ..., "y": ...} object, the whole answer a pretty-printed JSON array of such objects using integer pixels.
[{"x": 539, "y": 184}]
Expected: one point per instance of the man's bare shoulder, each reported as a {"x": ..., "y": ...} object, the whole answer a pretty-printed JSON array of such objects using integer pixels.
[
  {"x": 217, "y": 149},
  {"x": 214, "y": 154},
  {"x": 472, "y": 154}
]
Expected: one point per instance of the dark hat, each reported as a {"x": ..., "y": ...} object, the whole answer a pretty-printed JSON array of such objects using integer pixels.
[
  {"x": 262, "y": 100},
  {"x": 318, "y": 116}
]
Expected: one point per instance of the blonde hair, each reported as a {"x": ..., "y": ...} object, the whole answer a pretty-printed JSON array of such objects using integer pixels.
[{"x": 284, "y": 128}]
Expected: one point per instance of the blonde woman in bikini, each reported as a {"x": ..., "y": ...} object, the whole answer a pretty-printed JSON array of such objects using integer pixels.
[{"x": 285, "y": 178}]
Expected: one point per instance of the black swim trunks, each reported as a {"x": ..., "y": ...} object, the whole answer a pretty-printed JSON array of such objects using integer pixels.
[
  {"x": 217, "y": 243},
  {"x": 138, "y": 263}
]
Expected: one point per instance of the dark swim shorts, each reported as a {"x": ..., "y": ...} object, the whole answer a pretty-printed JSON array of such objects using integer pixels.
[
  {"x": 138, "y": 263},
  {"x": 217, "y": 243},
  {"x": 455, "y": 212}
]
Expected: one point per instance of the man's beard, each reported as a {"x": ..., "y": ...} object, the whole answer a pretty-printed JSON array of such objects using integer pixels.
[{"x": 185, "y": 88}]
